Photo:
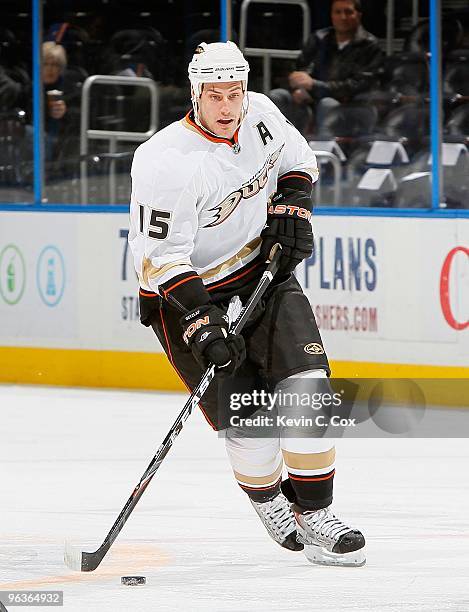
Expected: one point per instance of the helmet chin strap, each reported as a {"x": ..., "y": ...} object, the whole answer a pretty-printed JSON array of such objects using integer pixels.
[{"x": 195, "y": 105}]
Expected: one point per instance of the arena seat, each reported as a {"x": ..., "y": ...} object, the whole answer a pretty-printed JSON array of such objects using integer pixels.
[
  {"x": 452, "y": 34},
  {"x": 414, "y": 191},
  {"x": 12, "y": 148},
  {"x": 457, "y": 124},
  {"x": 406, "y": 123},
  {"x": 144, "y": 46},
  {"x": 348, "y": 122},
  {"x": 377, "y": 187},
  {"x": 456, "y": 76},
  {"x": 407, "y": 75},
  {"x": 455, "y": 166},
  {"x": 273, "y": 26}
]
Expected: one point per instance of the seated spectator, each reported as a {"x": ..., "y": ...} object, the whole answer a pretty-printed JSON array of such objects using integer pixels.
[
  {"x": 10, "y": 91},
  {"x": 15, "y": 82},
  {"x": 336, "y": 65},
  {"x": 143, "y": 53},
  {"x": 73, "y": 39},
  {"x": 137, "y": 53},
  {"x": 54, "y": 62}
]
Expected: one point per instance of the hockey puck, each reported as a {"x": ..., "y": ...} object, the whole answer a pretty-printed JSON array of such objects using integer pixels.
[{"x": 133, "y": 580}]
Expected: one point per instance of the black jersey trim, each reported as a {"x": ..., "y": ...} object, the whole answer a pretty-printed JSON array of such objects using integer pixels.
[
  {"x": 241, "y": 282},
  {"x": 231, "y": 279},
  {"x": 296, "y": 179},
  {"x": 187, "y": 289}
]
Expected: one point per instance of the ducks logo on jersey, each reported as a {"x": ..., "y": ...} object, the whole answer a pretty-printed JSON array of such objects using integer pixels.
[{"x": 222, "y": 211}]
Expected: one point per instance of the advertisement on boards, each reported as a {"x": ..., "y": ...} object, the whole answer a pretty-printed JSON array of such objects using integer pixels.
[{"x": 391, "y": 290}]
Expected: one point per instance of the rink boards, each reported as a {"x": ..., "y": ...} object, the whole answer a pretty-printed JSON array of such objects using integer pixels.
[{"x": 391, "y": 297}]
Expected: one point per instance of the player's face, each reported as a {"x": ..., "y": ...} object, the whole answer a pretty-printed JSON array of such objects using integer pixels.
[
  {"x": 220, "y": 107},
  {"x": 345, "y": 18}
]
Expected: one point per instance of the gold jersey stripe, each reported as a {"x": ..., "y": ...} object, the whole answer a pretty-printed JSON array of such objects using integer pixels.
[
  {"x": 309, "y": 461},
  {"x": 243, "y": 253},
  {"x": 259, "y": 480},
  {"x": 188, "y": 126},
  {"x": 149, "y": 271}
]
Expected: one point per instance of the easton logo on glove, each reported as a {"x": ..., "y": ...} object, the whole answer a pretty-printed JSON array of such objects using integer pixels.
[
  {"x": 289, "y": 224},
  {"x": 288, "y": 209}
]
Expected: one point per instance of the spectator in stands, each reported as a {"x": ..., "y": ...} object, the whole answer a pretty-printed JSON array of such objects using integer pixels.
[
  {"x": 336, "y": 65},
  {"x": 136, "y": 53},
  {"x": 10, "y": 91},
  {"x": 54, "y": 62},
  {"x": 15, "y": 82}
]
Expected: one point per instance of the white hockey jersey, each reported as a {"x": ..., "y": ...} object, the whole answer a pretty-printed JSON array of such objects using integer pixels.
[{"x": 199, "y": 203}]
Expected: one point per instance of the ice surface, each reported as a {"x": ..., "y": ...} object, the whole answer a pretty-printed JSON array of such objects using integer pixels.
[{"x": 70, "y": 458}]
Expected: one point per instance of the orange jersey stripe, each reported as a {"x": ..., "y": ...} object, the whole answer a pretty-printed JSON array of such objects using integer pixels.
[
  {"x": 209, "y": 136},
  {"x": 181, "y": 282},
  {"x": 147, "y": 293},
  {"x": 285, "y": 176},
  {"x": 272, "y": 486}
]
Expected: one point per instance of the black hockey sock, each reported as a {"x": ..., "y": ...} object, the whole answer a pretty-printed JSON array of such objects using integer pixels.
[{"x": 309, "y": 492}]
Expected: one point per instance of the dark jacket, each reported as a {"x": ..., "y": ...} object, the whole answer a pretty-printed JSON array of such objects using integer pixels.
[
  {"x": 10, "y": 91},
  {"x": 341, "y": 73}
]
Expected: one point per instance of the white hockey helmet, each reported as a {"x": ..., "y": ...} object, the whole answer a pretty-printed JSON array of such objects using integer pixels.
[{"x": 219, "y": 62}]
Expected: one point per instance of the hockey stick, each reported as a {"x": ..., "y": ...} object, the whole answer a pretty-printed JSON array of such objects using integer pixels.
[{"x": 80, "y": 560}]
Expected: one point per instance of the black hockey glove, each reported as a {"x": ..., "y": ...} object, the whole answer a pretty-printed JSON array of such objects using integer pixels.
[
  {"x": 206, "y": 333},
  {"x": 288, "y": 222}
]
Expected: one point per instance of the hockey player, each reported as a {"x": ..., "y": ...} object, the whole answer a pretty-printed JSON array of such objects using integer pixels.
[{"x": 211, "y": 194}]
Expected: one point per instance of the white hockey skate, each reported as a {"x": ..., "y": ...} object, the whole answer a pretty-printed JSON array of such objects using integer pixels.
[
  {"x": 329, "y": 541},
  {"x": 279, "y": 520}
]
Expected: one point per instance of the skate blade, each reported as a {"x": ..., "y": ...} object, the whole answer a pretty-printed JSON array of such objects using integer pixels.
[{"x": 321, "y": 556}]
